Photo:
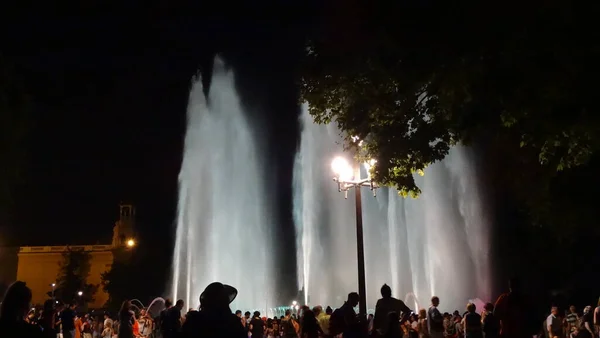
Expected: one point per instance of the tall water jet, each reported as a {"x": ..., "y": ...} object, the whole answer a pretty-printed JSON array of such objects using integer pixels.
[
  {"x": 223, "y": 222},
  {"x": 437, "y": 244}
]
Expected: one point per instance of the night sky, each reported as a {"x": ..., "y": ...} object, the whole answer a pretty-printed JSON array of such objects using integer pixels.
[{"x": 109, "y": 90}]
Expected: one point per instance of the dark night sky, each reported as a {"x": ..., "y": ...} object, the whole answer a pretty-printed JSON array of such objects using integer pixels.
[{"x": 109, "y": 88}]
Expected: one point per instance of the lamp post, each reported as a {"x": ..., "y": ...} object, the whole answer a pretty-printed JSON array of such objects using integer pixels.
[
  {"x": 53, "y": 287},
  {"x": 346, "y": 178}
]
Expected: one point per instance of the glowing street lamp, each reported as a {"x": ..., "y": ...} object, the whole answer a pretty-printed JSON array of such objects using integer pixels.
[
  {"x": 346, "y": 178},
  {"x": 130, "y": 243},
  {"x": 80, "y": 293},
  {"x": 53, "y": 287},
  {"x": 294, "y": 303}
]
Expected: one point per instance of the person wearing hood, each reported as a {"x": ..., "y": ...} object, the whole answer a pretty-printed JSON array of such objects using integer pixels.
[{"x": 215, "y": 318}]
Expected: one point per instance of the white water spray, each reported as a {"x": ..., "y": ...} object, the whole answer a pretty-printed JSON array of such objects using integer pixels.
[
  {"x": 437, "y": 244},
  {"x": 223, "y": 224}
]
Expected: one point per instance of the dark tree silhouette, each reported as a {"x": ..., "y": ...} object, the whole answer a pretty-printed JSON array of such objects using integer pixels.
[
  {"x": 72, "y": 278},
  {"x": 124, "y": 280},
  {"x": 413, "y": 79}
]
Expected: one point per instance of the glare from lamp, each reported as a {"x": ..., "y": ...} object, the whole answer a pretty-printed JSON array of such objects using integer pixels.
[
  {"x": 368, "y": 165},
  {"x": 130, "y": 243},
  {"x": 294, "y": 303},
  {"x": 341, "y": 168},
  {"x": 80, "y": 293}
]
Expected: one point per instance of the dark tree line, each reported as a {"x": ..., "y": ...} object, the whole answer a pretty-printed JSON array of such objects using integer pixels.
[{"x": 136, "y": 273}]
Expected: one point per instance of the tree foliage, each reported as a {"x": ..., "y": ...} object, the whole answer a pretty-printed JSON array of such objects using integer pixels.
[
  {"x": 413, "y": 79},
  {"x": 72, "y": 278},
  {"x": 123, "y": 280}
]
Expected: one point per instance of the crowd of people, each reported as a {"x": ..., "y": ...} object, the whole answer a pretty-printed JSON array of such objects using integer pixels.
[{"x": 507, "y": 318}]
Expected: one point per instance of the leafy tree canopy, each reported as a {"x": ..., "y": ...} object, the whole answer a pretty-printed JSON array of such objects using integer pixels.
[
  {"x": 72, "y": 278},
  {"x": 126, "y": 278},
  {"x": 412, "y": 79}
]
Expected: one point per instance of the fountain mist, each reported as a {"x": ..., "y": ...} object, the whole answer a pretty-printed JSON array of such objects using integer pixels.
[
  {"x": 223, "y": 227},
  {"x": 434, "y": 245}
]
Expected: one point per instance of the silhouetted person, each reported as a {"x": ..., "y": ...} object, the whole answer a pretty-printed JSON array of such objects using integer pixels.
[
  {"x": 586, "y": 324},
  {"x": 392, "y": 330},
  {"x": 13, "y": 310},
  {"x": 172, "y": 321},
  {"x": 554, "y": 325},
  {"x": 257, "y": 326},
  {"x": 126, "y": 320},
  {"x": 238, "y": 313},
  {"x": 435, "y": 320},
  {"x": 310, "y": 327},
  {"x": 247, "y": 319},
  {"x": 472, "y": 322},
  {"x": 67, "y": 320},
  {"x": 353, "y": 326},
  {"x": 214, "y": 319},
  {"x": 384, "y": 306},
  {"x": 513, "y": 312},
  {"x": 162, "y": 318},
  {"x": 288, "y": 328},
  {"x": 491, "y": 325},
  {"x": 48, "y": 319}
]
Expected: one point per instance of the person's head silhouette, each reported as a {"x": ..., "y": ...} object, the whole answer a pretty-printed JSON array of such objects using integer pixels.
[
  {"x": 16, "y": 302},
  {"x": 217, "y": 296},
  {"x": 386, "y": 291},
  {"x": 353, "y": 299}
]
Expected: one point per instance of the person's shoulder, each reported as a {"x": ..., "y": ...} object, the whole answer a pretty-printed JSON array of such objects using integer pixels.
[
  {"x": 194, "y": 315},
  {"x": 397, "y": 301},
  {"x": 234, "y": 322},
  {"x": 502, "y": 298}
]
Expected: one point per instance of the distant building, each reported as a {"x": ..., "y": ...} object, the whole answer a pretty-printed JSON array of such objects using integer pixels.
[{"x": 38, "y": 266}]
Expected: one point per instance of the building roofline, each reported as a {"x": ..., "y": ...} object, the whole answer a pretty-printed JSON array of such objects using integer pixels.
[{"x": 64, "y": 248}]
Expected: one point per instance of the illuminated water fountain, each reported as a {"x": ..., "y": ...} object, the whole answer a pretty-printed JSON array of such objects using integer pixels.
[
  {"x": 437, "y": 244},
  {"x": 224, "y": 213}
]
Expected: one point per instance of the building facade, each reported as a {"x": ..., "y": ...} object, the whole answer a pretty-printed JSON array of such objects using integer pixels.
[{"x": 39, "y": 266}]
